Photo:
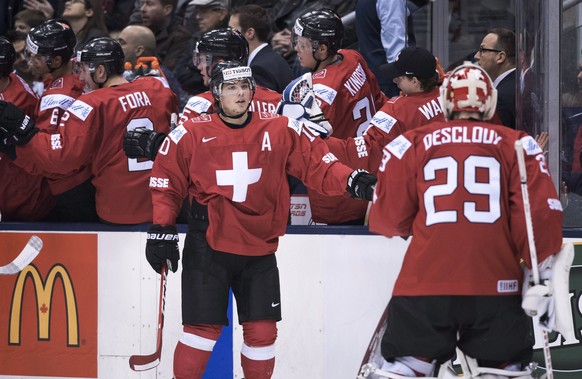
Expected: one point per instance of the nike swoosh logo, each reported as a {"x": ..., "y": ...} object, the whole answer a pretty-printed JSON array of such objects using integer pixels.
[
  {"x": 273, "y": 305},
  {"x": 204, "y": 139}
]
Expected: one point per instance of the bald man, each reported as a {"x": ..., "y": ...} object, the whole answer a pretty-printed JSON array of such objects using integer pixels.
[{"x": 137, "y": 41}]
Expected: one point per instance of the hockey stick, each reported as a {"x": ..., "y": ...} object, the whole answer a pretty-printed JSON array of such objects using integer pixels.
[
  {"x": 367, "y": 366},
  {"x": 30, "y": 251},
  {"x": 147, "y": 362},
  {"x": 532, "y": 245}
]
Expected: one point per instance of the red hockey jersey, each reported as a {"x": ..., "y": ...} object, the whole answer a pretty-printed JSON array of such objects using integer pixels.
[
  {"x": 455, "y": 187},
  {"x": 349, "y": 95},
  {"x": 91, "y": 136},
  {"x": 398, "y": 115},
  {"x": 23, "y": 197},
  {"x": 241, "y": 175}
]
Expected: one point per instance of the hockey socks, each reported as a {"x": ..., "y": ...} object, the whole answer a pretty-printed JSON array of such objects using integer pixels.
[{"x": 258, "y": 349}]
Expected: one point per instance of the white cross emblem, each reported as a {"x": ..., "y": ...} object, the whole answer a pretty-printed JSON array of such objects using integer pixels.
[{"x": 240, "y": 177}]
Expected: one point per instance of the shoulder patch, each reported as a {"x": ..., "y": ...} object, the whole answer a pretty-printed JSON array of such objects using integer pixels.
[
  {"x": 267, "y": 116},
  {"x": 324, "y": 92},
  {"x": 296, "y": 125},
  {"x": 202, "y": 118},
  {"x": 530, "y": 146},
  {"x": 319, "y": 74},
  {"x": 399, "y": 146},
  {"x": 394, "y": 99},
  {"x": 198, "y": 104},
  {"x": 80, "y": 109},
  {"x": 177, "y": 134},
  {"x": 59, "y": 83},
  {"x": 56, "y": 101},
  {"x": 383, "y": 121}
]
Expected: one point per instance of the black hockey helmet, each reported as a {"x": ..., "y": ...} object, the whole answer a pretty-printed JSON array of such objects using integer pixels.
[
  {"x": 230, "y": 71},
  {"x": 225, "y": 43},
  {"x": 103, "y": 51},
  {"x": 52, "y": 38},
  {"x": 321, "y": 26},
  {"x": 7, "y": 57}
]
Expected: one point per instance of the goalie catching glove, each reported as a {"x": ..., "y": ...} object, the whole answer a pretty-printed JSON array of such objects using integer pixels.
[
  {"x": 162, "y": 246},
  {"x": 142, "y": 143},
  {"x": 550, "y": 299},
  {"x": 17, "y": 127},
  {"x": 361, "y": 184}
]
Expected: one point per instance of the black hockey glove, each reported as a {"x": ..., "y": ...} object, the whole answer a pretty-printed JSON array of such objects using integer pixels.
[
  {"x": 361, "y": 184},
  {"x": 15, "y": 124},
  {"x": 142, "y": 143},
  {"x": 162, "y": 246},
  {"x": 7, "y": 146}
]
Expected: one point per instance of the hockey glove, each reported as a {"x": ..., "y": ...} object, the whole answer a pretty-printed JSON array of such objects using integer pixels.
[
  {"x": 361, "y": 184},
  {"x": 162, "y": 246},
  {"x": 142, "y": 143},
  {"x": 15, "y": 124}
]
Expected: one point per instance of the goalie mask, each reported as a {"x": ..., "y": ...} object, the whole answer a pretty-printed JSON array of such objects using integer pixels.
[
  {"x": 227, "y": 44},
  {"x": 102, "y": 51},
  {"x": 50, "y": 39},
  {"x": 469, "y": 88},
  {"x": 320, "y": 26},
  {"x": 230, "y": 72},
  {"x": 7, "y": 57}
]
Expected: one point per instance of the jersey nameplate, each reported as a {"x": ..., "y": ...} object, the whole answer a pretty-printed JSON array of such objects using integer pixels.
[{"x": 56, "y": 101}]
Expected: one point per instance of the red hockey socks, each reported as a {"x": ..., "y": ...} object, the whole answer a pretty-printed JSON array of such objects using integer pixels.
[
  {"x": 258, "y": 350},
  {"x": 194, "y": 349}
]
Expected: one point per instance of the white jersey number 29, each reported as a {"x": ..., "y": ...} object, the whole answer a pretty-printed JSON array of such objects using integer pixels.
[{"x": 491, "y": 189}]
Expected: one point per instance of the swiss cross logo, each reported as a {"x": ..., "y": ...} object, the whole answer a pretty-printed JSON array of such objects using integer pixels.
[{"x": 240, "y": 177}]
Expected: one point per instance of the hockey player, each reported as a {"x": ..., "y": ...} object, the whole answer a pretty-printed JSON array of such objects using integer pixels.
[
  {"x": 91, "y": 132},
  {"x": 23, "y": 197},
  {"x": 455, "y": 187},
  {"x": 49, "y": 48},
  {"x": 347, "y": 93},
  {"x": 414, "y": 72},
  {"x": 234, "y": 162}
]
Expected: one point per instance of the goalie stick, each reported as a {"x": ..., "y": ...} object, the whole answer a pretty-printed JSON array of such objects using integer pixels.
[
  {"x": 26, "y": 256},
  {"x": 532, "y": 245},
  {"x": 147, "y": 362}
]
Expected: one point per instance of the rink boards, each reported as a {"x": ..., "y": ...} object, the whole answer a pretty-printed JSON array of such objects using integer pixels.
[{"x": 89, "y": 301}]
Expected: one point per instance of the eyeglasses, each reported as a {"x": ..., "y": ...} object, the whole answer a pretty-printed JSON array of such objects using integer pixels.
[{"x": 484, "y": 49}]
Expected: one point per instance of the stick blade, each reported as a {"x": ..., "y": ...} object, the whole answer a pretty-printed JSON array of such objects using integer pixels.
[
  {"x": 144, "y": 362},
  {"x": 26, "y": 256}
]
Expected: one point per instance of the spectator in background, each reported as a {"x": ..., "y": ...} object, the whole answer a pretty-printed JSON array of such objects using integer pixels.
[
  {"x": 138, "y": 41},
  {"x": 50, "y": 8},
  {"x": 171, "y": 37},
  {"x": 27, "y": 19},
  {"x": 269, "y": 68},
  {"x": 347, "y": 92},
  {"x": 210, "y": 15},
  {"x": 23, "y": 197},
  {"x": 117, "y": 14},
  {"x": 87, "y": 20},
  {"x": 496, "y": 55}
]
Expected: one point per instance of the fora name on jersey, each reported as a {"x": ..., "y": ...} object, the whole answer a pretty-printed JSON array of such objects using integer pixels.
[
  {"x": 134, "y": 100},
  {"x": 461, "y": 134}
]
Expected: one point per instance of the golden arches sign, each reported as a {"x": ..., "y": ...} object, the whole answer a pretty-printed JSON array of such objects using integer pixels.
[{"x": 43, "y": 293}]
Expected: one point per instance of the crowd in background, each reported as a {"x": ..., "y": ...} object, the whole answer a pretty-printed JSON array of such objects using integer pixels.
[{"x": 169, "y": 31}]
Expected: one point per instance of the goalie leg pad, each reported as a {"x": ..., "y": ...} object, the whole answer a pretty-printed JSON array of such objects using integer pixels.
[
  {"x": 409, "y": 367},
  {"x": 561, "y": 291}
]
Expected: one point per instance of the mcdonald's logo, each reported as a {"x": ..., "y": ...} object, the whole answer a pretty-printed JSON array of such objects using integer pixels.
[{"x": 44, "y": 300}]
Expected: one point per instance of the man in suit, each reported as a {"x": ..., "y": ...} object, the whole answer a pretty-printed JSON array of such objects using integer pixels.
[
  {"x": 496, "y": 55},
  {"x": 269, "y": 68}
]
